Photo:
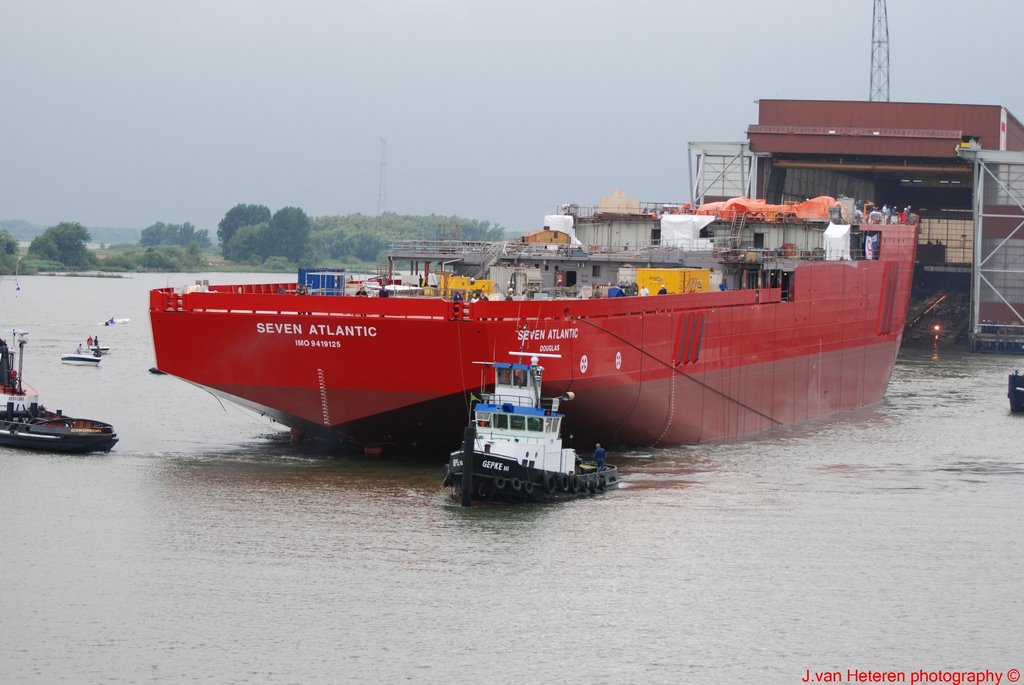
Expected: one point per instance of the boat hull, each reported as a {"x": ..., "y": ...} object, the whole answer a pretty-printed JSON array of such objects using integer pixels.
[
  {"x": 646, "y": 371},
  {"x": 80, "y": 360},
  {"x": 497, "y": 479},
  {"x": 57, "y": 434},
  {"x": 1015, "y": 392}
]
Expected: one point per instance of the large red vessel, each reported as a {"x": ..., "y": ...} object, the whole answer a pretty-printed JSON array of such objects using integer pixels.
[{"x": 788, "y": 321}]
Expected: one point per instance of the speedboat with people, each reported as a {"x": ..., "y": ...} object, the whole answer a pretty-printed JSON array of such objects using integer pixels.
[
  {"x": 513, "y": 446},
  {"x": 83, "y": 357},
  {"x": 92, "y": 344},
  {"x": 27, "y": 424}
]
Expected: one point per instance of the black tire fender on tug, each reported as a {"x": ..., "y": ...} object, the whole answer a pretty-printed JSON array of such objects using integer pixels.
[
  {"x": 499, "y": 483},
  {"x": 563, "y": 482},
  {"x": 517, "y": 484},
  {"x": 549, "y": 483},
  {"x": 574, "y": 483},
  {"x": 528, "y": 487}
]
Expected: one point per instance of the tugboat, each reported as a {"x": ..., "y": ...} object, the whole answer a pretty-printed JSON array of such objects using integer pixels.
[
  {"x": 26, "y": 424},
  {"x": 1016, "y": 392},
  {"x": 514, "y": 446}
]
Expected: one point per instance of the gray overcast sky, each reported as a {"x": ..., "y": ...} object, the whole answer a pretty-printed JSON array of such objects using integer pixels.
[{"x": 128, "y": 112}]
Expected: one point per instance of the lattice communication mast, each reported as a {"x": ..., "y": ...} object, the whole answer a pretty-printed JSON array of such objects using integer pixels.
[
  {"x": 382, "y": 188},
  {"x": 879, "y": 54}
]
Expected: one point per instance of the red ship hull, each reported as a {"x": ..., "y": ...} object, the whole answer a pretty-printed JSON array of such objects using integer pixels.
[{"x": 646, "y": 371}]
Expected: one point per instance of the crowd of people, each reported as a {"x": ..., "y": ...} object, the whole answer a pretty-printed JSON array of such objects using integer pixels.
[{"x": 884, "y": 214}]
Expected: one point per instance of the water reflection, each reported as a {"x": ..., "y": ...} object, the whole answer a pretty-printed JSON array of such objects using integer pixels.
[{"x": 291, "y": 473}]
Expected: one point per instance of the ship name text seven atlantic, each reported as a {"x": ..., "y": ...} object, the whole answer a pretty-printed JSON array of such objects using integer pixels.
[{"x": 329, "y": 331}]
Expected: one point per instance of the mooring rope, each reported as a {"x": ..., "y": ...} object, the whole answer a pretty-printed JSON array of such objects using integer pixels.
[{"x": 676, "y": 371}]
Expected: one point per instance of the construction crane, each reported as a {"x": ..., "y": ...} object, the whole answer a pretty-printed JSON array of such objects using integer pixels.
[{"x": 879, "y": 54}]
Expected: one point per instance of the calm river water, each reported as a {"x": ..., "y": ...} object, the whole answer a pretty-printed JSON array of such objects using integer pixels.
[{"x": 204, "y": 548}]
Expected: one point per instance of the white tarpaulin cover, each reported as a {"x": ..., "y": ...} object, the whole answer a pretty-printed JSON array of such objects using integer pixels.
[
  {"x": 562, "y": 222},
  {"x": 837, "y": 242},
  {"x": 683, "y": 230}
]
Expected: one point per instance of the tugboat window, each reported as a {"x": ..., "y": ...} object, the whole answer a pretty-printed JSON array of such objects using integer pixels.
[
  {"x": 505, "y": 376},
  {"x": 501, "y": 421},
  {"x": 534, "y": 423},
  {"x": 520, "y": 378},
  {"x": 483, "y": 420},
  {"x": 517, "y": 422}
]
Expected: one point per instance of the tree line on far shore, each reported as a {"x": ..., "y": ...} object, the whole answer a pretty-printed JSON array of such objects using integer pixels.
[{"x": 248, "y": 235}]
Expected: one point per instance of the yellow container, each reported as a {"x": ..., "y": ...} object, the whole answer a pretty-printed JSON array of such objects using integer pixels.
[
  {"x": 451, "y": 282},
  {"x": 676, "y": 281}
]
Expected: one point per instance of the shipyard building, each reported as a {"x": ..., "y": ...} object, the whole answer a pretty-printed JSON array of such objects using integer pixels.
[{"x": 958, "y": 168}]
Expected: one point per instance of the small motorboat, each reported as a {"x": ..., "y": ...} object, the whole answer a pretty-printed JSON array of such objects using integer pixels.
[
  {"x": 26, "y": 424},
  {"x": 1016, "y": 392},
  {"x": 82, "y": 358},
  {"x": 513, "y": 446},
  {"x": 92, "y": 344},
  {"x": 113, "y": 322}
]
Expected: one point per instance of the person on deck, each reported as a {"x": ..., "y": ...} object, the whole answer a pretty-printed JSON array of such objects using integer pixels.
[{"x": 599, "y": 457}]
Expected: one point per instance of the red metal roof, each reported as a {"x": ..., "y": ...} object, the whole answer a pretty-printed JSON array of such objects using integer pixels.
[{"x": 892, "y": 129}]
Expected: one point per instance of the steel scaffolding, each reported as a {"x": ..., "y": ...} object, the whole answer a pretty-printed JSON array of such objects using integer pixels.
[{"x": 997, "y": 283}]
